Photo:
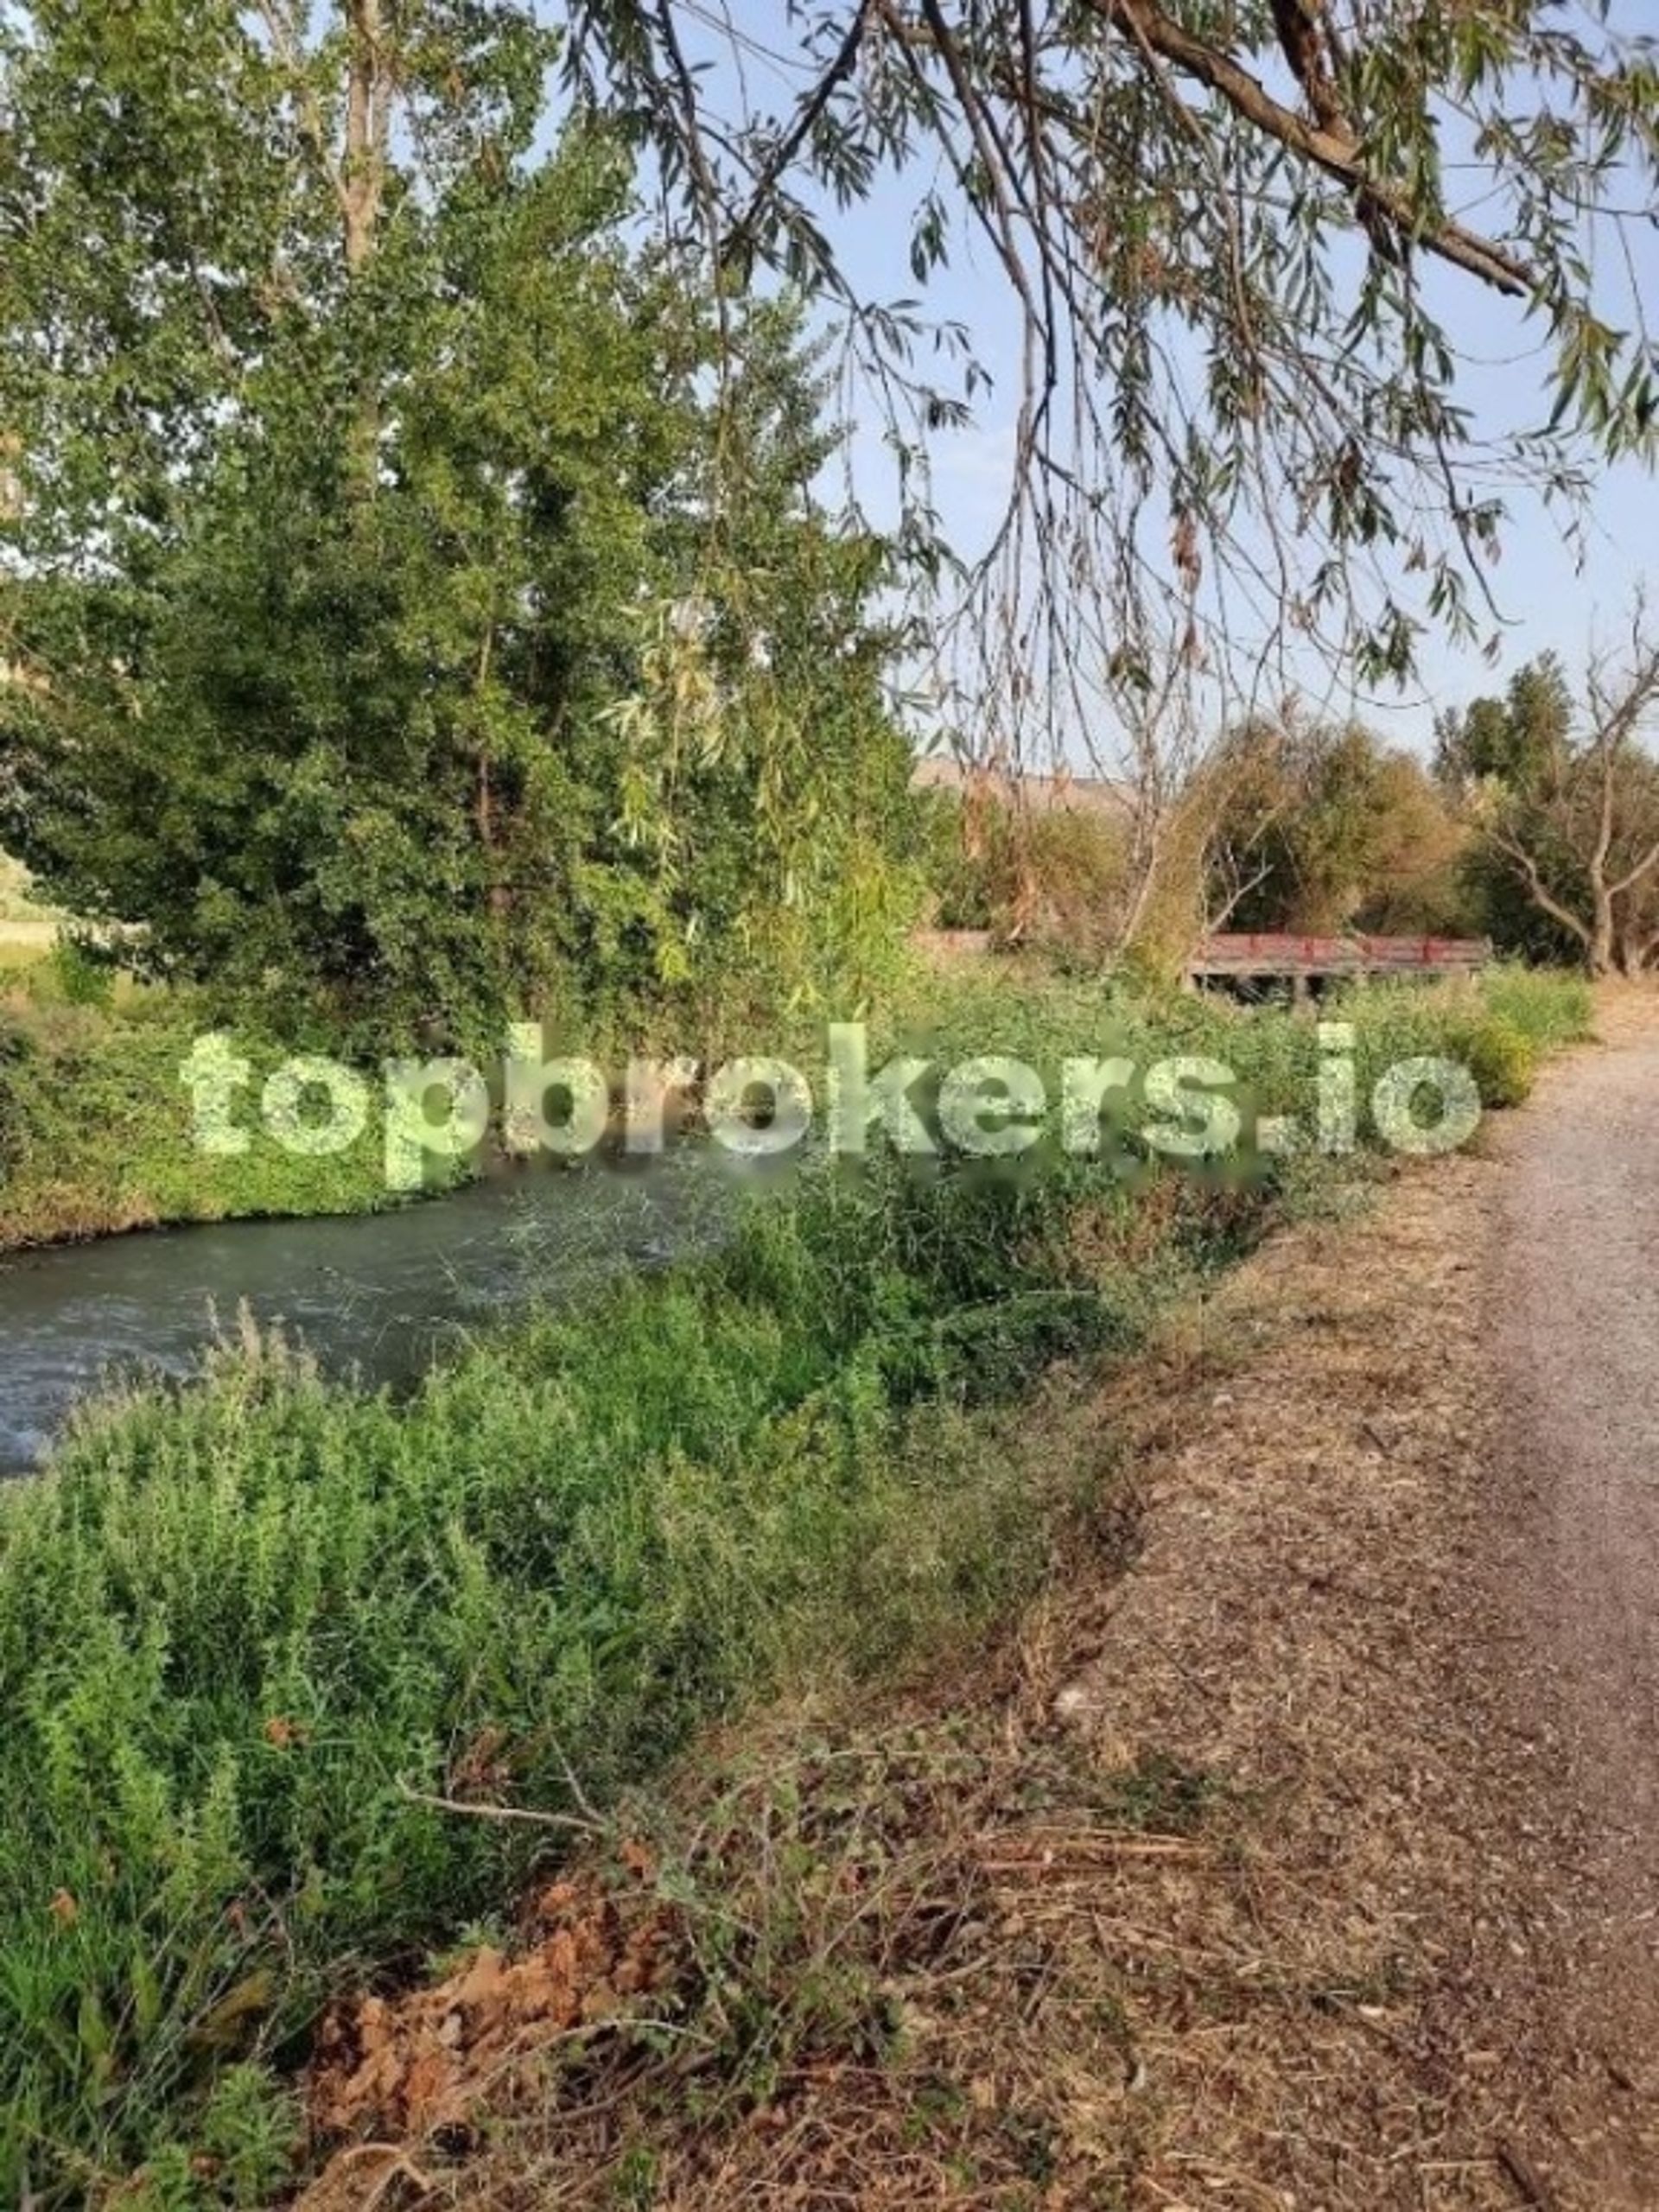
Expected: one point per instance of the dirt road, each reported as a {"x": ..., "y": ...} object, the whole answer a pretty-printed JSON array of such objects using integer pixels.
[
  {"x": 1573, "y": 1290},
  {"x": 1575, "y": 1293}
]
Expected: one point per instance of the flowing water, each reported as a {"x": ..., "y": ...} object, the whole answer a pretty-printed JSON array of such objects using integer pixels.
[{"x": 376, "y": 1296}]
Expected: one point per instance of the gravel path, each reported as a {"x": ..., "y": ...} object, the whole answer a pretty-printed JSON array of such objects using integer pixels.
[
  {"x": 1573, "y": 1292},
  {"x": 1576, "y": 1298}
]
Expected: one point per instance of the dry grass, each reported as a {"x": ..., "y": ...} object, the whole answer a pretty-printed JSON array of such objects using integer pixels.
[
  {"x": 1626, "y": 1009},
  {"x": 1231, "y": 1880},
  {"x": 23, "y": 920}
]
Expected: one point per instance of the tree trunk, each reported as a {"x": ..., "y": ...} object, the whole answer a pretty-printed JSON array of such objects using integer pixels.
[
  {"x": 362, "y": 184},
  {"x": 1603, "y": 947},
  {"x": 368, "y": 132}
]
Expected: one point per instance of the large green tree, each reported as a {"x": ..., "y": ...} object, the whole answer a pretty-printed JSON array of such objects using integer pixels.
[{"x": 415, "y": 596}]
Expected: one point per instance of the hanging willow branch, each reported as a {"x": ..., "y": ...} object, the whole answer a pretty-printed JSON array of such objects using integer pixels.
[{"x": 1248, "y": 246}]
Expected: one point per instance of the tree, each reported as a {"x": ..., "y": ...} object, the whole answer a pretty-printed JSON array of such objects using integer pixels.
[
  {"x": 1509, "y": 738},
  {"x": 1235, "y": 236},
  {"x": 1320, "y": 828},
  {"x": 368, "y": 474},
  {"x": 1567, "y": 818}
]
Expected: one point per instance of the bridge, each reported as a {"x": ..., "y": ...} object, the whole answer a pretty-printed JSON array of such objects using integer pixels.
[{"x": 1284, "y": 956}]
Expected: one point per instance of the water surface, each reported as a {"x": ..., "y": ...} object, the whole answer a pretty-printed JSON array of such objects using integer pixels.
[{"x": 377, "y": 1296}]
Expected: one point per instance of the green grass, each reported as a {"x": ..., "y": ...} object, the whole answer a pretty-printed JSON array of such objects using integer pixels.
[
  {"x": 1550, "y": 1008},
  {"x": 96, "y": 1133},
  {"x": 249, "y": 1633}
]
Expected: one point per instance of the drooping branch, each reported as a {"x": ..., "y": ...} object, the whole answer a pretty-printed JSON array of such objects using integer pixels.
[
  {"x": 1164, "y": 200},
  {"x": 809, "y": 113}
]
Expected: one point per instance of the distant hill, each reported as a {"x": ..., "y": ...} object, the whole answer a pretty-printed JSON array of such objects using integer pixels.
[{"x": 1063, "y": 794}]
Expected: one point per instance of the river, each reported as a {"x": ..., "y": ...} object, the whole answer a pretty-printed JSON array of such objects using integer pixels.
[{"x": 377, "y": 1297}]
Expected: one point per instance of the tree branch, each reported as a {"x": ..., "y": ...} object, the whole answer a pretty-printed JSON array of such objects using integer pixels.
[
  {"x": 1333, "y": 151},
  {"x": 806, "y": 117},
  {"x": 1516, "y": 852},
  {"x": 1301, "y": 27},
  {"x": 1643, "y": 868},
  {"x": 310, "y": 113}
]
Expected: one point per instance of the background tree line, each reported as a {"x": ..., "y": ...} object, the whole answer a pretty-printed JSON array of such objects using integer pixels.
[
  {"x": 1535, "y": 823},
  {"x": 415, "y": 602}
]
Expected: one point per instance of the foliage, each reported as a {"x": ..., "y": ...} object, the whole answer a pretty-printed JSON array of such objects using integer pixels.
[
  {"x": 96, "y": 1131},
  {"x": 961, "y": 853},
  {"x": 1508, "y": 741},
  {"x": 1322, "y": 827},
  {"x": 1251, "y": 249},
  {"x": 1071, "y": 891},
  {"x": 245, "y": 1635},
  {"x": 16, "y": 901},
  {"x": 1503, "y": 1061},
  {"x": 1288, "y": 824},
  {"x": 408, "y": 624},
  {"x": 1051, "y": 877},
  {"x": 1564, "y": 811},
  {"x": 413, "y": 602},
  {"x": 249, "y": 1632},
  {"x": 1552, "y": 1010}
]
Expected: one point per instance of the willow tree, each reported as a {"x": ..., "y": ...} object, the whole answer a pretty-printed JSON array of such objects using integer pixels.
[{"x": 1254, "y": 248}]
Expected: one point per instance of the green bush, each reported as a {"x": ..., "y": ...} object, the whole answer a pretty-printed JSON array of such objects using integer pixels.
[
  {"x": 1502, "y": 1059},
  {"x": 82, "y": 975},
  {"x": 96, "y": 1131}
]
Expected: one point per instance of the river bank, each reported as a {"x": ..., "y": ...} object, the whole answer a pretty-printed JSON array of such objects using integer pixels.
[
  {"x": 96, "y": 1131},
  {"x": 1289, "y": 1849},
  {"x": 303, "y": 1681}
]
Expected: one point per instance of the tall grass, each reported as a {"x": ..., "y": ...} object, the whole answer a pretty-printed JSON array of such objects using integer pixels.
[{"x": 261, "y": 1639}]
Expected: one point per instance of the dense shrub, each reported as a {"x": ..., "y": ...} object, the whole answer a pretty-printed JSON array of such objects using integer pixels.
[
  {"x": 1502, "y": 1059},
  {"x": 95, "y": 1121}
]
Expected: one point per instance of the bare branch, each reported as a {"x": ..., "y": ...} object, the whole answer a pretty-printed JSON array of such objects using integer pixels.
[{"x": 1513, "y": 850}]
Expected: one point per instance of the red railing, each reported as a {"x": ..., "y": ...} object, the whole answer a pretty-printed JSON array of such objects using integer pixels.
[{"x": 1279, "y": 952}]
